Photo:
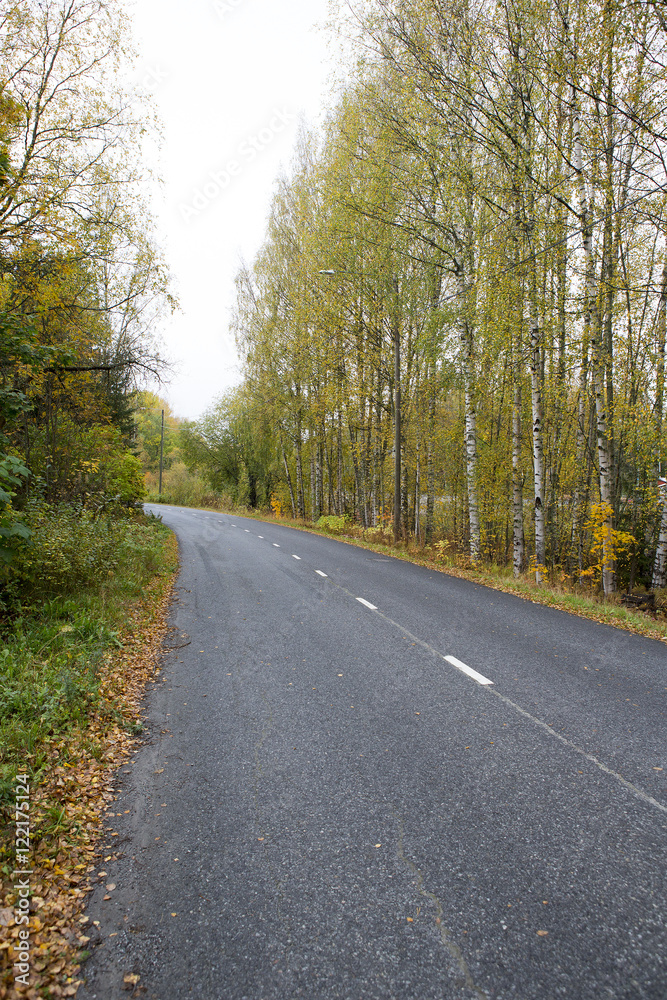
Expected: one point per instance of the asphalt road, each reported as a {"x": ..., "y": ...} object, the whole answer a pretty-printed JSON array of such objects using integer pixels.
[{"x": 327, "y": 807}]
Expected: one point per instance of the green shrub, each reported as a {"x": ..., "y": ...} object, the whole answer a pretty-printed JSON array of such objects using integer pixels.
[
  {"x": 69, "y": 547},
  {"x": 125, "y": 478},
  {"x": 186, "y": 489},
  {"x": 333, "y": 523},
  {"x": 74, "y": 548},
  {"x": 66, "y": 603},
  {"x": 12, "y": 529}
]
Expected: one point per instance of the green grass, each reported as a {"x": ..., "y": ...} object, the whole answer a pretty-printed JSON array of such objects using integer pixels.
[{"x": 57, "y": 633}]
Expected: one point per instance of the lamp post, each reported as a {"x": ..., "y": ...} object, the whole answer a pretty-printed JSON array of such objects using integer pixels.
[
  {"x": 159, "y": 492},
  {"x": 397, "y": 430}
]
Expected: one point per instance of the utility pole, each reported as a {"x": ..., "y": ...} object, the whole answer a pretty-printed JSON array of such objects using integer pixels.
[
  {"x": 161, "y": 454},
  {"x": 397, "y": 418}
]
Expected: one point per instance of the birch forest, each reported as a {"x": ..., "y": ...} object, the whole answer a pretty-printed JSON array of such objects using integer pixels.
[{"x": 470, "y": 262}]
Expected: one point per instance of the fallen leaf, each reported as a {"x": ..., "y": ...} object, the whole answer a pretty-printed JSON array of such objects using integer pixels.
[
  {"x": 85, "y": 783},
  {"x": 131, "y": 978},
  {"x": 542, "y": 933},
  {"x": 6, "y": 917},
  {"x": 111, "y": 886}
]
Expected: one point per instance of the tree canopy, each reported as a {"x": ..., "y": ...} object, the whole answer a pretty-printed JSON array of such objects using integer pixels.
[
  {"x": 82, "y": 281},
  {"x": 490, "y": 190}
]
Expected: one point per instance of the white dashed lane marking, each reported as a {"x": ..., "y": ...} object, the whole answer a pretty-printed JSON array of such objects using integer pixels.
[{"x": 465, "y": 669}]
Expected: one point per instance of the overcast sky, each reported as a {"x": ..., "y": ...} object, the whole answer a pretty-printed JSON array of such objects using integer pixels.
[{"x": 230, "y": 79}]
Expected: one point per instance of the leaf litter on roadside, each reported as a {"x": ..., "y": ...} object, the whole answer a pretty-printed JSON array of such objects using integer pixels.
[{"x": 79, "y": 778}]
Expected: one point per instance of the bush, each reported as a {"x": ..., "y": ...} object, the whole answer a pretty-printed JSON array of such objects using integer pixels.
[
  {"x": 12, "y": 529},
  {"x": 75, "y": 548},
  {"x": 179, "y": 487},
  {"x": 125, "y": 478},
  {"x": 333, "y": 523},
  {"x": 59, "y": 629}
]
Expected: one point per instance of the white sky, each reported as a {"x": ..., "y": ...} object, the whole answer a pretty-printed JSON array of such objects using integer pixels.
[{"x": 230, "y": 79}]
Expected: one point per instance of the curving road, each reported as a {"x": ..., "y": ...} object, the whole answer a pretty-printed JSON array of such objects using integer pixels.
[{"x": 365, "y": 779}]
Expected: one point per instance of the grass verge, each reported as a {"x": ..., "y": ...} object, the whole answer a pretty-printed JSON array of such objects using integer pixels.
[{"x": 73, "y": 670}]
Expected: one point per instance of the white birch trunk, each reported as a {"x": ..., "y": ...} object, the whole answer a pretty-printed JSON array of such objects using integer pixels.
[
  {"x": 470, "y": 424},
  {"x": 577, "y": 513},
  {"x": 471, "y": 472},
  {"x": 299, "y": 472},
  {"x": 519, "y": 552},
  {"x": 289, "y": 480},
  {"x": 538, "y": 437},
  {"x": 604, "y": 455},
  {"x": 660, "y": 564}
]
